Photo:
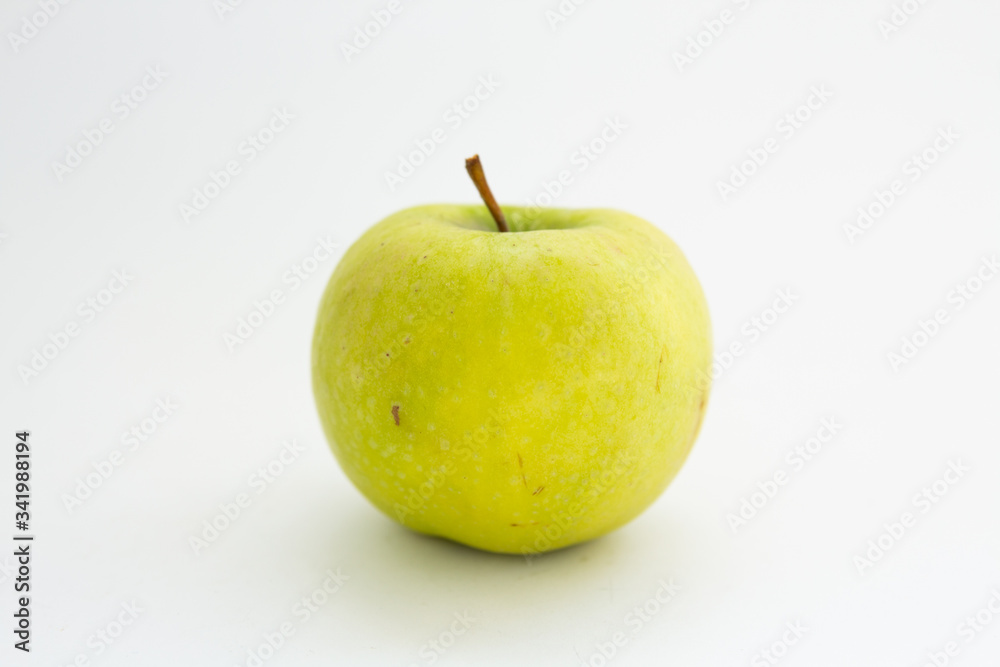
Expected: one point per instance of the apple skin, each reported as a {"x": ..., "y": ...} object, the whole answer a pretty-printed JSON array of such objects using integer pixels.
[{"x": 515, "y": 392}]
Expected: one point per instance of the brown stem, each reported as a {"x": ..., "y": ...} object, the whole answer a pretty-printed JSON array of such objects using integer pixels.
[{"x": 475, "y": 169}]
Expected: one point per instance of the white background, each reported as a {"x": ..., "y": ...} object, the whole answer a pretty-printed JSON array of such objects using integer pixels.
[{"x": 324, "y": 175}]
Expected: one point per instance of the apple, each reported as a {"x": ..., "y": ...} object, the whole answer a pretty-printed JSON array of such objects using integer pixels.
[{"x": 515, "y": 391}]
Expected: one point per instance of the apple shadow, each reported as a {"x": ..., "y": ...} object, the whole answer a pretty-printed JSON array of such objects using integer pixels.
[{"x": 410, "y": 586}]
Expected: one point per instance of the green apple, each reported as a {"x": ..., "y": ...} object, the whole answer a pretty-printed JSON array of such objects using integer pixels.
[{"x": 516, "y": 392}]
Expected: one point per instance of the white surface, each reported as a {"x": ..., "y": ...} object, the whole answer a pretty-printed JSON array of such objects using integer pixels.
[{"x": 324, "y": 175}]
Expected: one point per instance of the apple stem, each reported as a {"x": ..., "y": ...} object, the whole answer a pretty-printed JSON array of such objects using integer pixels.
[{"x": 475, "y": 169}]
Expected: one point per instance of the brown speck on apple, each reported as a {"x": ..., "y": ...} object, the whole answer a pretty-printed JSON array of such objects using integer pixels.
[
  {"x": 395, "y": 414},
  {"x": 538, "y": 490},
  {"x": 660, "y": 366}
]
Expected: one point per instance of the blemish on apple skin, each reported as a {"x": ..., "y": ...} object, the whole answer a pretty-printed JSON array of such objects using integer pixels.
[
  {"x": 662, "y": 352},
  {"x": 538, "y": 490},
  {"x": 520, "y": 464},
  {"x": 395, "y": 414}
]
